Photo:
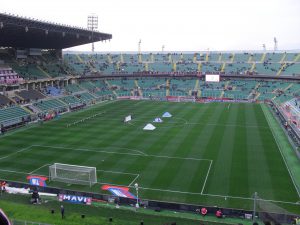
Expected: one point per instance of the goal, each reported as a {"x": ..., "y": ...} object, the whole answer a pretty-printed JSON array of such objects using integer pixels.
[{"x": 73, "y": 174}]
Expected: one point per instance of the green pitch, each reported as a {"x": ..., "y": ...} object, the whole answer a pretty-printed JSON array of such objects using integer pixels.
[{"x": 212, "y": 154}]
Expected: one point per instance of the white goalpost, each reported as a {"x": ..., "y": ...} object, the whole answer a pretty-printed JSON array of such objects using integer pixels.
[{"x": 73, "y": 174}]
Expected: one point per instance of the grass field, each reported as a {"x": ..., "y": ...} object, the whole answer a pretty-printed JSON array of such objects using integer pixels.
[{"x": 214, "y": 154}]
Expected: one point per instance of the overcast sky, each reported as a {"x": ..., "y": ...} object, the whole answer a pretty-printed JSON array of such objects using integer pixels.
[{"x": 180, "y": 25}]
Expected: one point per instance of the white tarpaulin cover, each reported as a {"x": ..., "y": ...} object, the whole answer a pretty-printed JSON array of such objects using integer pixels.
[
  {"x": 127, "y": 119},
  {"x": 149, "y": 126},
  {"x": 166, "y": 114},
  {"x": 157, "y": 120}
]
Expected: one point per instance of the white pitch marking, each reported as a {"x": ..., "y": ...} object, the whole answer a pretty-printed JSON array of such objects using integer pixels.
[
  {"x": 122, "y": 153},
  {"x": 181, "y": 158},
  {"x": 39, "y": 168},
  {"x": 85, "y": 118},
  {"x": 213, "y": 195},
  {"x": 227, "y": 125},
  {"x": 87, "y": 150},
  {"x": 130, "y": 149},
  {"x": 109, "y": 171},
  {"x": 134, "y": 180},
  {"x": 14, "y": 153},
  {"x": 18, "y": 172},
  {"x": 206, "y": 177}
]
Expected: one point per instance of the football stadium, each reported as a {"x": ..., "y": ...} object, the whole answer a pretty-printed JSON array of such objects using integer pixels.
[{"x": 144, "y": 137}]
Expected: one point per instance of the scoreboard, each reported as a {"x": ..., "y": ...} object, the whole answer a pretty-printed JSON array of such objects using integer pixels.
[{"x": 212, "y": 78}]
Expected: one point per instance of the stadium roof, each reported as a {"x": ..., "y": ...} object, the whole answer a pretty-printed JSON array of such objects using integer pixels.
[{"x": 19, "y": 32}]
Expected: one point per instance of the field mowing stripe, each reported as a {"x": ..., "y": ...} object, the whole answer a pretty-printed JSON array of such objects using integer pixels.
[
  {"x": 213, "y": 195},
  {"x": 174, "y": 157},
  {"x": 206, "y": 177},
  {"x": 87, "y": 150},
  {"x": 129, "y": 149},
  {"x": 85, "y": 118},
  {"x": 122, "y": 153},
  {"x": 185, "y": 122},
  {"x": 14, "y": 153},
  {"x": 280, "y": 150},
  {"x": 228, "y": 125},
  {"x": 18, "y": 172},
  {"x": 109, "y": 171},
  {"x": 167, "y": 190}
]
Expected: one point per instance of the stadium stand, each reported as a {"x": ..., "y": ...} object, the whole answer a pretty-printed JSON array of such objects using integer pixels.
[
  {"x": 53, "y": 91},
  {"x": 51, "y": 104},
  {"x": 85, "y": 97},
  {"x": 291, "y": 69},
  {"x": 48, "y": 66},
  {"x": 291, "y": 91},
  {"x": 242, "y": 57},
  {"x": 28, "y": 95},
  {"x": 9, "y": 76},
  {"x": 12, "y": 115},
  {"x": 228, "y": 88},
  {"x": 73, "y": 88},
  {"x": 76, "y": 63},
  {"x": 70, "y": 100},
  {"x": 5, "y": 101}
]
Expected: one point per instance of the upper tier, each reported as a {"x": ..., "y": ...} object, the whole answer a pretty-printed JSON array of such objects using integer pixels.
[{"x": 49, "y": 66}]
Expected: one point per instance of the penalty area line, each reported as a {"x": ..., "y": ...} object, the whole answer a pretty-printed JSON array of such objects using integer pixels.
[
  {"x": 39, "y": 168},
  {"x": 87, "y": 150},
  {"x": 129, "y": 185},
  {"x": 18, "y": 172},
  {"x": 138, "y": 153},
  {"x": 14, "y": 153},
  {"x": 117, "y": 172},
  {"x": 206, "y": 176}
]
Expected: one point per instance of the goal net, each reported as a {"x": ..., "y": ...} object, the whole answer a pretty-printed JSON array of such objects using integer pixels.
[{"x": 73, "y": 174}]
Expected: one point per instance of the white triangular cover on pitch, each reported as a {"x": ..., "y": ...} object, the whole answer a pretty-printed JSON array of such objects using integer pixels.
[
  {"x": 167, "y": 114},
  {"x": 149, "y": 126},
  {"x": 157, "y": 120}
]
